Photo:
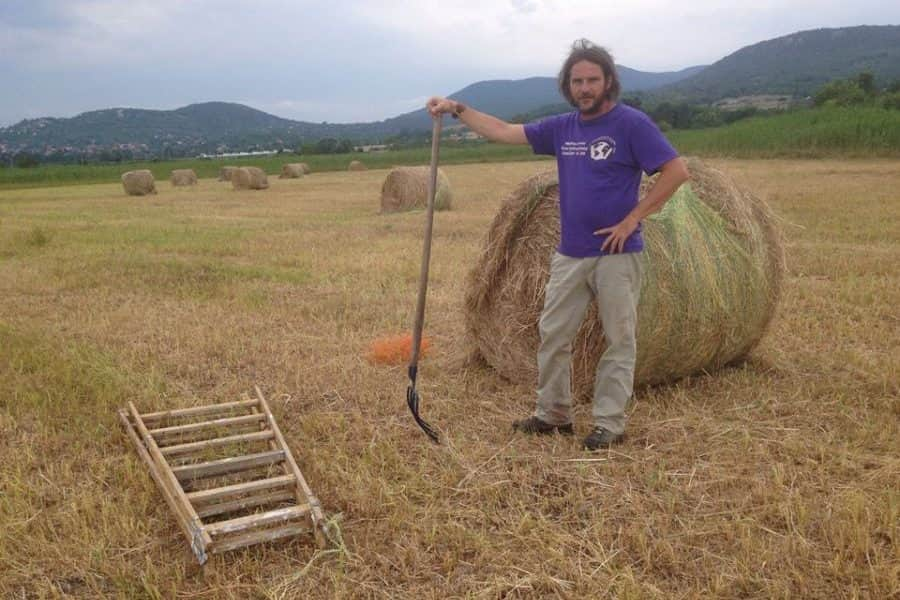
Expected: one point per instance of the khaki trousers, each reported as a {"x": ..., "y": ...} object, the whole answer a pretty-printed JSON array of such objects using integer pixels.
[{"x": 615, "y": 280}]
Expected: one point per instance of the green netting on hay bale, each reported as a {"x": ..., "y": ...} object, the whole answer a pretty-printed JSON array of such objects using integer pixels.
[{"x": 713, "y": 264}]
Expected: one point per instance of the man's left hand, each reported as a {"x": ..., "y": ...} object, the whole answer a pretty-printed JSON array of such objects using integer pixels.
[{"x": 615, "y": 242}]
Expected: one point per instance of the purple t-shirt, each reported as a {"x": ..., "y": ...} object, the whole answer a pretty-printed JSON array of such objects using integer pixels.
[{"x": 600, "y": 162}]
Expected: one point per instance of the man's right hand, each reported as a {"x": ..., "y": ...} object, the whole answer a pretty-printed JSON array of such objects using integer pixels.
[
  {"x": 483, "y": 124},
  {"x": 437, "y": 106}
]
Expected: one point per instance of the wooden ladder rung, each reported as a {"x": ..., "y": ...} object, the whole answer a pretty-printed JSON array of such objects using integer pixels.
[
  {"x": 257, "y": 537},
  {"x": 239, "y": 524},
  {"x": 199, "y": 410},
  {"x": 228, "y": 465},
  {"x": 244, "y": 503},
  {"x": 227, "y": 491},
  {"x": 216, "y": 442},
  {"x": 192, "y": 427}
]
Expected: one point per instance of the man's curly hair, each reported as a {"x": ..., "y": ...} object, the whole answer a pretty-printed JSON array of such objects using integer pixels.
[{"x": 585, "y": 49}]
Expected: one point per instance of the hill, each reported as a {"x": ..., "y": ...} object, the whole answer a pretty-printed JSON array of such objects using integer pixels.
[
  {"x": 507, "y": 98},
  {"x": 215, "y": 127},
  {"x": 795, "y": 64},
  {"x": 198, "y": 128}
]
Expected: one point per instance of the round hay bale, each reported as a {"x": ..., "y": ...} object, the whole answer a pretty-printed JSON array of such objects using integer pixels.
[
  {"x": 225, "y": 173},
  {"x": 183, "y": 177},
  {"x": 713, "y": 265},
  {"x": 291, "y": 171},
  {"x": 406, "y": 188},
  {"x": 139, "y": 183},
  {"x": 305, "y": 167},
  {"x": 356, "y": 165},
  {"x": 249, "y": 178}
]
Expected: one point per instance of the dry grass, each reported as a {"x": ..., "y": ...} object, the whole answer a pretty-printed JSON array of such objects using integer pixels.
[{"x": 780, "y": 478}]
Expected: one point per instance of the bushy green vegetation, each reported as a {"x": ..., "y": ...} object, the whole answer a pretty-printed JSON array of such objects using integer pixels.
[
  {"x": 858, "y": 91},
  {"x": 821, "y": 132}
]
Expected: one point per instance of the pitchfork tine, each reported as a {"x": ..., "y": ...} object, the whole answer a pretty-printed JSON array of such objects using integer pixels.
[{"x": 412, "y": 400}]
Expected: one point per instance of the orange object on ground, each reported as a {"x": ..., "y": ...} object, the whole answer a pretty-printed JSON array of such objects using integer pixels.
[{"x": 395, "y": 350}]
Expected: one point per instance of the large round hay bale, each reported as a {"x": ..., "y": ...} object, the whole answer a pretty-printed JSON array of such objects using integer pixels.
[
  {"x": 291, "y": 171},
  {"x": 305, "y": 167},
  {"x": 356, "y": 165},
  {"x": 249, "y": 178},
  {"x": 713, "y": 264},
  {"x": 225, "y": 173},
  {"x": 183, "y": 177},
  {"x": 138, "y": 183},
  {"x": 406, "y": 188}
]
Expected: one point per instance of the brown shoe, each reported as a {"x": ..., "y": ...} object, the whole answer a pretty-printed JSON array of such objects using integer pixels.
[
  {"x": 601, "y": 438},
  {"x": 534, "y": 426}
]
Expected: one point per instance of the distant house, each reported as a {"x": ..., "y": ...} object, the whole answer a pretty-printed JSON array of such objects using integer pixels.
[
  {"x": 759, "y": 101},
  {"x": 371, "y": 148},
  {"x": 238, "y": 154},
  {"x": 467, "y": 136}
]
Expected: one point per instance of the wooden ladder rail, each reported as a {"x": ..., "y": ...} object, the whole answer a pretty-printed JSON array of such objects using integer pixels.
[
  {"x": 169, "y": 497},
  {"x": 303, "y": 490},
  {"x": 198, "y": 537}
]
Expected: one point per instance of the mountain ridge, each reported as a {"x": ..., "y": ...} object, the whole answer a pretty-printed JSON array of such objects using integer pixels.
[
  {"x": 794, "y": 65},
  {"x": 215, "y": 127}
]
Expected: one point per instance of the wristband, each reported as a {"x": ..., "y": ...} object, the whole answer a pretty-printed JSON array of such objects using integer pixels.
[{"x": 460, "y": 109}]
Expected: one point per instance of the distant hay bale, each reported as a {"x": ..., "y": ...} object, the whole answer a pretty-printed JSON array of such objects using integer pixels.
[
  {"x": 292, "y": 171},
  {"x": 225, "y": 173},
  {"x": 305, "y": 167},
  {"x": 713, "y": 266},
  {"x": 138, "y": 183},
  {"x": 406, "y": 188},
  {"x": 356, "y": 165},
  {"x": 183, "y": 177},
  {"x": 249, "y": 178}
]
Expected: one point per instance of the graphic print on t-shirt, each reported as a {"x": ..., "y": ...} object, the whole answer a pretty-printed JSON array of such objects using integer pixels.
[
  {"x": 573, "y": 149},
  {"x": 602, "y": 148}
]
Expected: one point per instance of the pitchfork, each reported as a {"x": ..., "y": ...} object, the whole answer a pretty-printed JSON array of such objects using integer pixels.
[{"x": 412, "y": 396}]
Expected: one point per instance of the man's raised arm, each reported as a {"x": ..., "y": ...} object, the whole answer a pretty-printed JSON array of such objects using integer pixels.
[{"x": 481, "y": 123}]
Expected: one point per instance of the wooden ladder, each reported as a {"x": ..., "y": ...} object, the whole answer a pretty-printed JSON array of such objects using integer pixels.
[{"x": 222, "y": 499}]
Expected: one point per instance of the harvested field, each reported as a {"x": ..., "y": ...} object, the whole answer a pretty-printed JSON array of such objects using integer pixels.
[{"x": 777, "y": 478}]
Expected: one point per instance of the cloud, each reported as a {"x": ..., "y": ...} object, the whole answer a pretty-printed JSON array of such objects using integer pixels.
[
  {"x": 524, "y": 6},
  {"x": 346, "y": 60}
]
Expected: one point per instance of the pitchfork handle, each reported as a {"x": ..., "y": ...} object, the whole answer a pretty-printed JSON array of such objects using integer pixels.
[{"x": 426, "y": 249}]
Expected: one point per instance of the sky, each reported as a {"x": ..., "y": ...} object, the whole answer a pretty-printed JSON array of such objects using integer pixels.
[{"x": 349, "y": 61}]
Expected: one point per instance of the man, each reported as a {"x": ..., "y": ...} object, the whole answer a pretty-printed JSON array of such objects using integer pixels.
[{"x": 601, "y": 149}]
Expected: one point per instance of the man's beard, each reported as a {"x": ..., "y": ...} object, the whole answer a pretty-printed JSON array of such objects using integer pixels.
[{"x": 595, "y": 106}]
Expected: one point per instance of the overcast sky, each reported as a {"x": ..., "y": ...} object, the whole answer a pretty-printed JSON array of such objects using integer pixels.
[{"x": 343, "y": 60}]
